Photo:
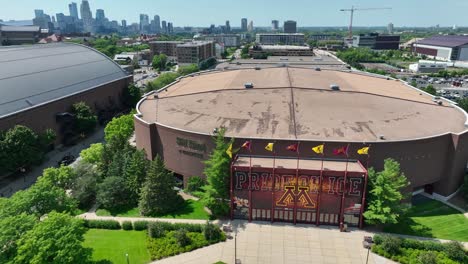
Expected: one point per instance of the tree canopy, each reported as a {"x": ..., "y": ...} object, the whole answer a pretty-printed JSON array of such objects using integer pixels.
[
  {"x": 86, "y": 120},
  {"x": 163, "y": 80},
  {"x": 57, "y": 239},
  {"x": 159, "y": 62},
  {"x": 120, "y": 127},
  {"x": 185, "y": 70},
  {"x": 384, "y": 205},
  {"x": 93, "y": 154},
  {"x": 157, "y": 194},
  {"x": 217, "y": 173}
]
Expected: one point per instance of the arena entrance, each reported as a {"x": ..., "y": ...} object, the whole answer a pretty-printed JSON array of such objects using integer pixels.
[{"x": 309, "y": 191}]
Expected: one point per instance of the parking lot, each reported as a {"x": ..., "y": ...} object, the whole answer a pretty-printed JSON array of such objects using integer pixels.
[{"x": 450, "y": 88}]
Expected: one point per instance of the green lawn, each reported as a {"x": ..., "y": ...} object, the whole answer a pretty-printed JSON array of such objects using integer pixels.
[
  {"x": 433, "y": 219},
  {"x": 112, "y": 245},
  {"x": 190, "y": 210}
]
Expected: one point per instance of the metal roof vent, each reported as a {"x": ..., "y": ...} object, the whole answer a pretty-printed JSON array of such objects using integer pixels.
[
  {"x": 335, "y": 87},
  {"x": 155, "y": 96},
  {"x": 318, "y": 69},
  {"x": 439, "y": 102},
  {"x": 382, "y": 137},
  {"x": 29, "y": 102},
  {"x": 257, "y": 68},
  {"x": 248, "y": 85}
]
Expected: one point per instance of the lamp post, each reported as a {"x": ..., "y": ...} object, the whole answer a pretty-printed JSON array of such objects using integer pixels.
[
  {"x": 126, "y": 256},
  {"x": 23, "y": 170}
]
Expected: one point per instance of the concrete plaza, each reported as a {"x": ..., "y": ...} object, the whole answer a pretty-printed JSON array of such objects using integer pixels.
[{"x": 263, "y": 242}]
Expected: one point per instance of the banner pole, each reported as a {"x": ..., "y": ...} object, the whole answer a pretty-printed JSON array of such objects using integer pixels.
[
  {"x": 344, "y": 191},
  {"x": 250, "y": 185},
  {"x": 297, "y": 184},
  {"x": 317, "y": 215},
  {"x": 273, "y": 186}
]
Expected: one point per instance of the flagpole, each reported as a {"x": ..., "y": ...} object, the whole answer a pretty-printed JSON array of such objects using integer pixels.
[
  {"x": 250, "y": 183},
  {"x": 317, "y": 215},
  {"x": 297, "y": 184},
  {"x": 344, "y": 190},
  {"x": 273, "y": 186},
  {"x": 232, "y": 192}
]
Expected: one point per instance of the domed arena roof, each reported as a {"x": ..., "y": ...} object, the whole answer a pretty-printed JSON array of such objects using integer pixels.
[
  {"x": 302, "y": 104},
  {"x": 34, "y": 75}
]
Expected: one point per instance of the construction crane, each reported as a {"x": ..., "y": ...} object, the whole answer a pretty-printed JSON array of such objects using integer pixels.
[{"x": 352, "y": 16}]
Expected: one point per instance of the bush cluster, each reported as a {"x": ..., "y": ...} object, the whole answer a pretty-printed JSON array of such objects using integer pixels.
[
  {"x": 102, "y": 224},
  {"x": 414, "y": 251},
  {"x": 140, "y": 225},
  {"x": 127, "y": 225},
  {"x": 166, "y": 239}
]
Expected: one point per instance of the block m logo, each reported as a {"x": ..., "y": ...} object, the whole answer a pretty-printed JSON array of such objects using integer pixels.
[{"x": 302, "y": 195}]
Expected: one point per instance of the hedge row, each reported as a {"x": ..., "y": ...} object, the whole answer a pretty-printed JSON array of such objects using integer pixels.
[
  {"x": 115, "y": 225},
  {"x": 413, "y": 251}
]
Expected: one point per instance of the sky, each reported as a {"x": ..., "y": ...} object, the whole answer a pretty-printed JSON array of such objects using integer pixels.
[{"x": 305, "y": 12}]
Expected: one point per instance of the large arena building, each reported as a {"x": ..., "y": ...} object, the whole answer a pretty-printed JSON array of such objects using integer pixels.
[
  {"x": 342, "y": 111},
  {"x": 40, "y": 83}
]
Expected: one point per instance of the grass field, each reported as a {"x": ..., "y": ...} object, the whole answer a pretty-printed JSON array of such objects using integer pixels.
[
  {"x": 112, "y": 245},
  {"x": 190, "y": 210},
  {"x": 433, "y": 219}
]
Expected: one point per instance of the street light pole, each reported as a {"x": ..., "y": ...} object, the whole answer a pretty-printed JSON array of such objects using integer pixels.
[
  {"x": 367, "y": 259},
  {"x": 126, "y": 256}
]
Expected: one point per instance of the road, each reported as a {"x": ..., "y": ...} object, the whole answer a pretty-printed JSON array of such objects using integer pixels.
[{"x": 9, "y": 186}]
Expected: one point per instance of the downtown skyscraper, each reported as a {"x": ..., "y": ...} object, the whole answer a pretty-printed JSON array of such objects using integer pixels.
[
  {"x": 244, "y": 24},
  {"x": 73, "y": 8},
  {"x": 87, "y": 16}
]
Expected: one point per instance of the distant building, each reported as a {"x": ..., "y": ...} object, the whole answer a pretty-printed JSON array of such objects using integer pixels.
[
  {"x": 144, "y": 23},
  {"x": 228, "y": 27},
  {"x": 165, "y": 47},
  {"x": 290, "y": 26},
  {"x": 195, "y": 52},
  {"x": 227, "y": 40},
  {"x": 447, "y": 47},
  {"x": 318, "y": 37},
  {"x": 390, "y": 28},
  {"x": 244, "y": 25},
  {"x": 377, "y": 42},
  {"x": 250, "y": 27},
  {"x": 275, "y": 25},
  {"x": 68, "y": 24},
  {"x": 170, "y": 28},
  {"x": 124, "y": 23},
  {"x": 164, "y": 26},
  {"x": 281, "y": 39},
  {"x": 280, "y": 50},
  {"x": 87, "y": 16},
  {"x": 427, "y": 67},
  {"x": 157, "y": 24},
  {"x": 11, "y": 35},
  {"x": 73, "y": 8}
]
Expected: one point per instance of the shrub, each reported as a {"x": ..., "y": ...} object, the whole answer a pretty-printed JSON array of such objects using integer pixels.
[
  {"x": 195, "y": 184},
  {"x": 181, "y": 237},
  {"x": 377, "y": 239},
  {"x": 140, "y": 225},
  {"x": 127, "y": 225},
  {"x": 211, "y": 232},
  {"x": 102, "y": 224},
  {"x": 455, "y": 251},
  {"x": 156, "y": 229},
  {"x": 391, "y": 244},
  {"x": 427, "y": 258},
  {"x": 189, "y": 227}
]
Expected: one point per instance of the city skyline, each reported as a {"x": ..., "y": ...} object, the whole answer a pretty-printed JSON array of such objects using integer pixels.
[{"x": 302, "y": 11}]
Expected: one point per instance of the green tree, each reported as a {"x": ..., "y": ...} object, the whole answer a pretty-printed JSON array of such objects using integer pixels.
[
  {"x": 93, "y": 154},
  {"x": 120, "y": 127},
  {"x": 163, "y": 80},
  {"x": 157, "y": 194},
  {"x": 39, "y": 200},
  {"x": 86, "y": 120},
  {"x": 19, "y": 147},
  {"x": 463, "y": 103},
  {"x": 134, "y": 172},
  {"x": 430, "y": 89},
  {"x": 131, "y": 96},
  {"x": 385, "y": 194},
  {"x": 414, "y": 84},
  {"x": 159, "y": 62},
  {"x": 11, "y": 230},
  {"x": 85, "y": 186},
  {"x": 57, "y": 239},
  {"x": 185, "y": 70},
  {"x": 113, "y": 193},
  {"x": 217, "y": 173},
  {"x": 62, "y": 177}
]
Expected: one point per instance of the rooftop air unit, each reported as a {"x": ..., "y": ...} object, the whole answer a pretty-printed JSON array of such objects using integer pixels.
[
  {"x": 248, "y": 85},
  {"x": 335, "y": 87}
]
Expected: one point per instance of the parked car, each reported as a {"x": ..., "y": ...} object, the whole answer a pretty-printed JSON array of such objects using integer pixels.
[{"x": 66, "y": 160}]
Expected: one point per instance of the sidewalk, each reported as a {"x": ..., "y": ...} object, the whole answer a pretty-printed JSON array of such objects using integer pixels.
[{"x": 9, "y": 186}]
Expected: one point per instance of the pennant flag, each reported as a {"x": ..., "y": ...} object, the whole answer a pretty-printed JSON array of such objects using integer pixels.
[
  {"x": 318, "y": 149},
  {"x": 229, "y": 151},
  {"x": 269, "y": 147},
  {"x": 363, "y": 151},
  {"x": 247, "y": 145},
  {"x": 341, "y": 151},
  {"x": 293, "y": 147}
]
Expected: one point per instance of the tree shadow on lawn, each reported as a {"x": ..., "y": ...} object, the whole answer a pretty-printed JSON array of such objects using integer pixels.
[
  {"x": 407, "y": 226},
  {"x": 121, "y": 210}
]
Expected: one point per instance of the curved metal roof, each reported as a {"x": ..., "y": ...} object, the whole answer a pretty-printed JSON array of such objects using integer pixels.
[{"x": 38, "y": 74}]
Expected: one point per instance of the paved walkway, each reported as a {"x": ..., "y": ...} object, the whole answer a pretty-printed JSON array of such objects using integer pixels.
[
  {"x": 283, "y": 243},
  {"x": 10, "y": 185}
]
